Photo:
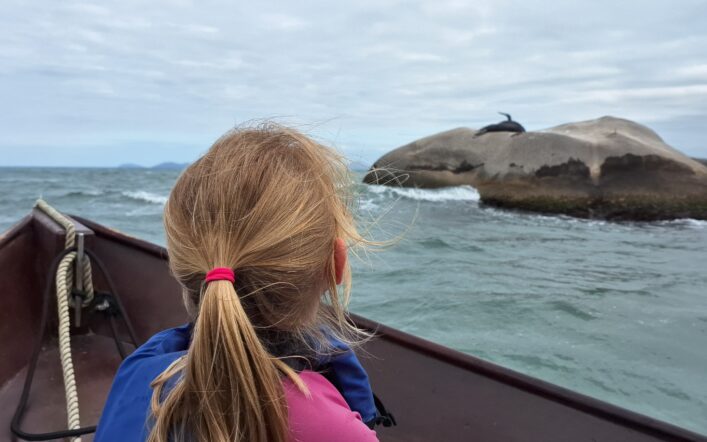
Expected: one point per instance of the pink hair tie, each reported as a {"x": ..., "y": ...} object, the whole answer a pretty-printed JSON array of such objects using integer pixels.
[{"x": 220, "y": 274}]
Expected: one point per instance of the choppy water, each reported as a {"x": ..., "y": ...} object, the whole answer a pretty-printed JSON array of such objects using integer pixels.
[{"x": 616, "y": 311}]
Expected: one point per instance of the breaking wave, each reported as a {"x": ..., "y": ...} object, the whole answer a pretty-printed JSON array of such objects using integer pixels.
[
  {"x": 141, "y": 195},
  {"x": 686, "y": 222},
  {"x": 80, "y": 193},
  {"x": 458, "y": 193}
]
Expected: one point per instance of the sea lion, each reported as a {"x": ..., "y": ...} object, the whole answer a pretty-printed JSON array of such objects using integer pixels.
[{"x": 504, "y": 126}]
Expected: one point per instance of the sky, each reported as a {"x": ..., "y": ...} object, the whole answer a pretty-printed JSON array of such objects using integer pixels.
[{"x": 111, "y": 82}]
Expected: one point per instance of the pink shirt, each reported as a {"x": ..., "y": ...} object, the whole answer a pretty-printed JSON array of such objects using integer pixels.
[{"x": 325, "y": 416}]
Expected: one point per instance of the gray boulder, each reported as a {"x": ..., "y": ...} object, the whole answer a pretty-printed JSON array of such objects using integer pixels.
[{"x": 607, "y": 168}]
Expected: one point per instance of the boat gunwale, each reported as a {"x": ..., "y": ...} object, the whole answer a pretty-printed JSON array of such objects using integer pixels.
[
  {"x": 15, "y": 230},
  {"x": 570, "y": 398}
]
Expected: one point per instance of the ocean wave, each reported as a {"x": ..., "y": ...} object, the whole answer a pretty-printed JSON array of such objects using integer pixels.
[
  {"x": 459, "y": 193},
  {"x": 689, "y": 223},
  {"x": 90, "y": 192},
  {"x": 141, "y": 195},
  {"x": 696, "y": 222},
  {"x": 368, "y": 205}
]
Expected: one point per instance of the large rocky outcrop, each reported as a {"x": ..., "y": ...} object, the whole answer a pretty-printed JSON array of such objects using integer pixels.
[{"x": 608, "y": 167}]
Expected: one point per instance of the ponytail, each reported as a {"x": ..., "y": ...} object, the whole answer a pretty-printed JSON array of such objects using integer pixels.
[
  {"x": 270, "y": 202},
  {"x": 229, "y": 388}
]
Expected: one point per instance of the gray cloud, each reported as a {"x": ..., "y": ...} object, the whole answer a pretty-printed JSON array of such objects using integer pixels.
[{"x": 120, "y": 81}]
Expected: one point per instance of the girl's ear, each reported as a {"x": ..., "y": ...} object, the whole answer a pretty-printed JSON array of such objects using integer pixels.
[{"x": 340, "y": 257}]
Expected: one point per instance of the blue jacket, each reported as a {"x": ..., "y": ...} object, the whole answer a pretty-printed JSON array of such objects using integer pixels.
[{"x": 126, "y": 410}]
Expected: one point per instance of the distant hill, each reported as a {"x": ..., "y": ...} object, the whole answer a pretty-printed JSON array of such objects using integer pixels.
[
  {"x": 130, "y": 166},
  {"x": 701, "y": 160},
  {"x": 170, "y": 166}
]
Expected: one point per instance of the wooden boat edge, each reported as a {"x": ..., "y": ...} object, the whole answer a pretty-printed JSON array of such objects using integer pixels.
[{"x": 547, "y": 390}]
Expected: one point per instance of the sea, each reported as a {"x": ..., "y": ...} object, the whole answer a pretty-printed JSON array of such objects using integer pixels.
[{"x": 617, "y": 311}]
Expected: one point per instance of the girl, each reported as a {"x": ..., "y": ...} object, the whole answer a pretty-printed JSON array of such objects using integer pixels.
[{"x": 256, "y": 232}]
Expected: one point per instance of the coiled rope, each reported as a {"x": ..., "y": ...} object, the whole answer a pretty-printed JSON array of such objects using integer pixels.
[{"x": 64, "y": 286}]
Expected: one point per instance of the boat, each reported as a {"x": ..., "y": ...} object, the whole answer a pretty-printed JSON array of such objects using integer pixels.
[{"x": 435, "y": 393}]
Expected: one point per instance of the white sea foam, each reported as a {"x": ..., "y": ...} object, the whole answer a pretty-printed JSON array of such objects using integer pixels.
[
  {"x": 459, "y": 193},
  {"x": 686, "y": 222},
  {"x": 695, "y": 222},
  {"x": 368, "y": 205},
  {"x": 92, "y": 192},
  {"x": 149, "y": 197}
]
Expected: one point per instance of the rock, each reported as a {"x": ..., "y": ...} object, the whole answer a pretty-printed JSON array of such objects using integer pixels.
[{"x": 607, "y": 168}]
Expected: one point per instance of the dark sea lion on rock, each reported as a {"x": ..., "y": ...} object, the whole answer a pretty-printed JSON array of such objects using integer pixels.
[{"x": 504, "y": 126}]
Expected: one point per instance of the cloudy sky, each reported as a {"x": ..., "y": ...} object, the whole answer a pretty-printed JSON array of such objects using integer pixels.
[{"x": 103, "y": 83}]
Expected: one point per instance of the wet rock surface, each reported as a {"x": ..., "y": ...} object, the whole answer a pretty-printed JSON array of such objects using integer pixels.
[{"x": 605, "y": 168}]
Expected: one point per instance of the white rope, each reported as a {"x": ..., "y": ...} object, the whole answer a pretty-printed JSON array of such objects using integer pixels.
[
  {"x": 70, "y": 241},
  {"x": 63, "y": 277},
  {"x": 64, "y": 284}
]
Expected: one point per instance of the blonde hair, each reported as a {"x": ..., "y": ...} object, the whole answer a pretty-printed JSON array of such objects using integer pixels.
[{"x": 269, "y": 203}]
